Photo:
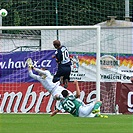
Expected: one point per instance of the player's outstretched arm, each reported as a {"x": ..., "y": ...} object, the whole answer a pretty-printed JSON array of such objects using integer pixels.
[
  {"x": 77, "y": 89},
  {"x": 30, "y": 68},
  {"x": 40, "y": 70},
  {"x": 31, "y": 74},
  {"x": 54, "y": 112}
]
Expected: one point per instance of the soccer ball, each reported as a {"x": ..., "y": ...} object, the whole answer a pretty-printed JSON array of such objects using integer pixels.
[{"x": 3, "y": 12}]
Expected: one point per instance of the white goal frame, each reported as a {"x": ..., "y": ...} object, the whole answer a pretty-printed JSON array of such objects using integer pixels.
[{"x": 97, "y": 28}]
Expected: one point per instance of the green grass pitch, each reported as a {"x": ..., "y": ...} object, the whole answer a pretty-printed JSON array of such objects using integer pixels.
[{"x": 64, "y": 123}]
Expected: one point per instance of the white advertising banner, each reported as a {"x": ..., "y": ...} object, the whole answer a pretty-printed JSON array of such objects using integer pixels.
[{"x": 112, "y": 68}]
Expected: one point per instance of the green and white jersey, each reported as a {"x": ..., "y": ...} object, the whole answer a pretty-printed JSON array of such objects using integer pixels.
[{"x": 70, "y": 105}]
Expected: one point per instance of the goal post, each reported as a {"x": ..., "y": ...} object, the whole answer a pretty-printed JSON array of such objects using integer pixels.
[
  {"x": 97, "y": 28},
  {"x": 49, "y": 27},
  {"x": 79, "y": 39}
]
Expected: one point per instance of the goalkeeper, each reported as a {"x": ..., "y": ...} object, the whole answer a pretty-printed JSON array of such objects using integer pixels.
[
  {"x": 45, "y": 78},
  {"x": 73, "y": 105}
]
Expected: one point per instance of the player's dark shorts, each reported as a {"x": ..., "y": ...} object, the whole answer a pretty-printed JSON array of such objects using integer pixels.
[{"x": 63, "y": 70}]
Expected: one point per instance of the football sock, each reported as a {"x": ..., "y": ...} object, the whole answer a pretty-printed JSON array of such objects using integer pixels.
[{"x": 97, "y": 105}]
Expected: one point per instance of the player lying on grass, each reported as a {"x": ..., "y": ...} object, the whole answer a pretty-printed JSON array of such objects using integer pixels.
[
  {"x": 73, "y": 105},
  {"x": 45, "y": 78}
]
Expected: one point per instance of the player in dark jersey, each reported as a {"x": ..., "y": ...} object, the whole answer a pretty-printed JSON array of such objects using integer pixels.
[{"x": 64, "y": 64}]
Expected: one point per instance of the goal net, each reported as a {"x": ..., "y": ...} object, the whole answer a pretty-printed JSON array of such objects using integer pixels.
[
  {"x": 16, "y": 48},
  {"x": 100, "y": 59}
]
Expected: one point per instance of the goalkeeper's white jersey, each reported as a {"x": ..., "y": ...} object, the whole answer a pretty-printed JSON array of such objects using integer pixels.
[{"x": 45, "y": 79}]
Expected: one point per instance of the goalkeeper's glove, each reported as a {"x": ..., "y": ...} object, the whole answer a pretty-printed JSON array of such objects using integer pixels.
[
  {"x": 31, "y": 66},
  {"x": 30, "y": 63}
]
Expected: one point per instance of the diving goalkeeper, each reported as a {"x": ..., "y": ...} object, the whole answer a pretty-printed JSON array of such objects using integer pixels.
[{"x": 45, "y": 78}]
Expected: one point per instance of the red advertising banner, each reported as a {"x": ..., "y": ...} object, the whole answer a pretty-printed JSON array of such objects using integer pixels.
[
  {"x": 125, "y": 98},
  {"x": 26, "y": 97},
  {"x": 32, "y": 97}
]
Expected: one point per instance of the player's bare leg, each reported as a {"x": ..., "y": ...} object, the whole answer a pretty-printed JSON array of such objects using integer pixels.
[
  {"x": 65, "y": 83},
  {"x": 61, "y": 80}
]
